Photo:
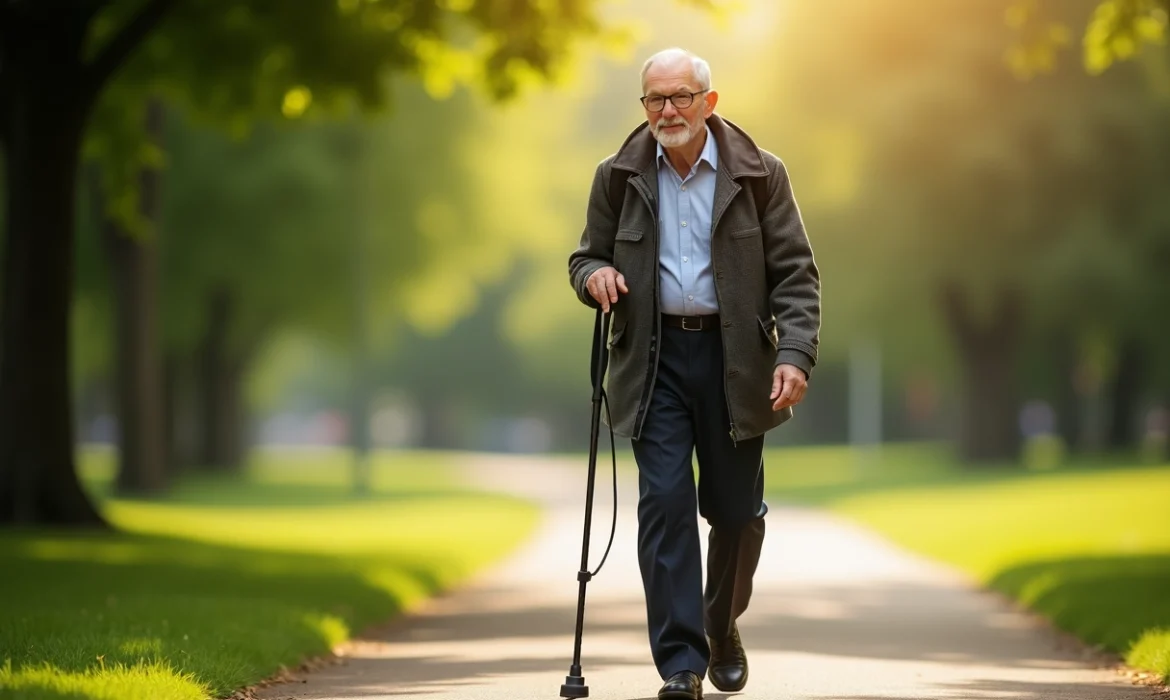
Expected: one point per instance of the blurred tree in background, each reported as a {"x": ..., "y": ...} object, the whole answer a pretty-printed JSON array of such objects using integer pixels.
[
  {"x": 1017, "y": 214},
  {"x": 221, "y": 59},
  {"x": 253, "y": 245}
]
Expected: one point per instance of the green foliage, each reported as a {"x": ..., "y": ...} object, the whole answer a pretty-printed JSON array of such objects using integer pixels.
[
  {"x": 972, "y": 177},
  {"x": 234, "y": 63},
  {"x": 290, "y": 218},
  {"x": 227, "y": 580},
  {"x": 1116, "y": 30}
]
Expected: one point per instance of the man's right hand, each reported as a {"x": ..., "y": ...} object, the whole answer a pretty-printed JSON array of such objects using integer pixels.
[{"x": 604, "y": 286}]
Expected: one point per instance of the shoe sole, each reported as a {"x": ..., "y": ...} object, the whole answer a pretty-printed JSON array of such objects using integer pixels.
[{"x": 680, "y": 696}]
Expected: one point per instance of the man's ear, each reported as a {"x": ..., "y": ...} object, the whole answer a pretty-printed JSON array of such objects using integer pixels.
[{"x": 710, "y": 100}]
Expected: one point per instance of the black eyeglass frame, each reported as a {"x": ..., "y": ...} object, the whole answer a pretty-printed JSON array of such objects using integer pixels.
[{"x": 690, "y": 97}]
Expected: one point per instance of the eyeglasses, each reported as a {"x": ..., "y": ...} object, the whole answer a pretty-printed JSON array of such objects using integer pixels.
[{"x": 680, "y": 100}]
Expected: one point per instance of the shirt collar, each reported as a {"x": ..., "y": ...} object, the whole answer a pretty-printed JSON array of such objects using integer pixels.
[{"x": 710, "y": 151}]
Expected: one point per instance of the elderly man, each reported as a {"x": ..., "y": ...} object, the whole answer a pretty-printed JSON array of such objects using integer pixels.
[{"x": 694, "y": 243}]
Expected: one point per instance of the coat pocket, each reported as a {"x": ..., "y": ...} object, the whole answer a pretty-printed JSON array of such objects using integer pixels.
[
  {"x": 628, "y": 234},
  {"x": 753, "y": 232},
  {"x": 615, "y": 337},
  {"x": 768, "y": 330}
]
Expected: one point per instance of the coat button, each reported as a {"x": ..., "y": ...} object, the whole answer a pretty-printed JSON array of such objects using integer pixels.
[
  {"x": 727, "y": 324},
  {"x": 732, "y": 372}
]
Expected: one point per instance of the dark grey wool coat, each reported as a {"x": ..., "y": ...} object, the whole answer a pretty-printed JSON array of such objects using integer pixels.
[{"x": 766, "y": 282}]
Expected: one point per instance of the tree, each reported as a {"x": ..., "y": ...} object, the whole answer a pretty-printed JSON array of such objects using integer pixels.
[
  {"x": 230, "y": 59},
  {"x": 1116, "y": 30},
  {"x": 974, "y": 185},
  {"x": 271, "y": 235}
]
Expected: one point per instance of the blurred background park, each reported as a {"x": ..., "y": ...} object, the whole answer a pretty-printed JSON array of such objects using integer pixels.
[
  {"x": 262, "y": 259},
  {"x": 995, "y": 250}
]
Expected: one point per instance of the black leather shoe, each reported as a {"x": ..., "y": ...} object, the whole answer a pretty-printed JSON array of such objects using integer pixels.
[
  {"x": 684, "y": 685},
  {"x": 728, "y": 669}
]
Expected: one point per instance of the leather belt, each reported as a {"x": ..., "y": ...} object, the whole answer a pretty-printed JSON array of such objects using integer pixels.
[{"x": 708, "y": 322}]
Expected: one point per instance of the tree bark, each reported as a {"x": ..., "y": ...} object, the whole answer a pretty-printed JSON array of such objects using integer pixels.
[
  {"x": 42, "y": 123},
  {"x": 46, "y": 93},
  {"x": 134, "y": 267},
  {"x": 988, "y": 353}
]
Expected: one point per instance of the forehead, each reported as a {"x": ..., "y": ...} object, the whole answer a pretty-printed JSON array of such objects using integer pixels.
[{"x": 670, "y": 76}]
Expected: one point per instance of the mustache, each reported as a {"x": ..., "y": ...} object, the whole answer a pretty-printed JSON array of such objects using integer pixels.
[{"x": 677, "y": 121}]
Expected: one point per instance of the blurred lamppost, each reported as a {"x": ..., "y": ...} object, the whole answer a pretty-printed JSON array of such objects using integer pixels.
[
  {"x": 359, "y": 414},
  {"x": 865, "y": 402}
]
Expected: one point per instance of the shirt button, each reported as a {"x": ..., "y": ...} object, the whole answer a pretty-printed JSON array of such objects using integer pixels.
[
  {"x": 691, "y": 297},
  {"x": 684, "y": 224},
  {"x": 684, "y": 258},
  {"x": 684, "y": 188}
]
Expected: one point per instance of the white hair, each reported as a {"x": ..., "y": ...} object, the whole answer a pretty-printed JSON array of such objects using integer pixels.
[{"x": 699, "y": 67}]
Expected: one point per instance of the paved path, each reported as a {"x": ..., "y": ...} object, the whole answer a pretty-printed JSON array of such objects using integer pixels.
[{"x": 838, "y": 613}]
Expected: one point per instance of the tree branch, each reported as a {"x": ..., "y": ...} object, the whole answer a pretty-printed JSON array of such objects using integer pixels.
[{"x": 115, "y": 53}]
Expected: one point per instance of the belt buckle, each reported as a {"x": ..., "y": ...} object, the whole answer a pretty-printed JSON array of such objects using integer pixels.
[{"x": 696, "y": 328}]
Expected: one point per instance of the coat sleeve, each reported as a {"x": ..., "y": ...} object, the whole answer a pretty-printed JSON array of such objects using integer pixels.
[
  {"x": 595, "y": 249},
  {"x": 794, "y": 281}
]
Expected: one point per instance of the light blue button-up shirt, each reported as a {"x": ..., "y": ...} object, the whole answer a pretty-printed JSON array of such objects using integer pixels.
[{"x": 686, "y": 281}]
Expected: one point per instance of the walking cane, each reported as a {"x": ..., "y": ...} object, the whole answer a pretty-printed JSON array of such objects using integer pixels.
[{"x": 574, "y": 685}]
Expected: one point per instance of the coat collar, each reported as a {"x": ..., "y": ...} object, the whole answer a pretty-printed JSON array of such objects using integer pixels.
[{"x": 738, "y": 154}]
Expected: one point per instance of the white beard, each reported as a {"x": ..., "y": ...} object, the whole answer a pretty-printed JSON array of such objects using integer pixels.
[{"x": 674, "y": 139}]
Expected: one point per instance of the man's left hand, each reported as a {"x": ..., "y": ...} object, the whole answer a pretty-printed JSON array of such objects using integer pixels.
[{"x": 788, "y": 386}]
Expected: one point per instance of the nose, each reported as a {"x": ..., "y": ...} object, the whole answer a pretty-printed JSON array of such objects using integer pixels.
[{"x": 668, "y": 110}]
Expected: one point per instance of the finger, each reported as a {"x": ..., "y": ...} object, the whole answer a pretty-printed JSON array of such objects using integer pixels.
[
  {"x": 611, "y": 288},
  {"x": 594, "y": 287},
  {"x": 777, "y": 384},
  {"x": 787, "y": 392},
  {"x": 621, "y": 280},
  {"x": 600, "y": 295},
  {"x": 778, "y": 394}
]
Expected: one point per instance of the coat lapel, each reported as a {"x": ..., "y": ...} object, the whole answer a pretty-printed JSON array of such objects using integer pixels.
[
  {"x": 738, "y": 157},
  {"x": 725, "y": 190},
  {"x": 646, "y": 182}
]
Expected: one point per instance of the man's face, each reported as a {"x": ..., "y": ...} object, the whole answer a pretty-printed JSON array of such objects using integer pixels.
[{"x": 675, "y": 127}]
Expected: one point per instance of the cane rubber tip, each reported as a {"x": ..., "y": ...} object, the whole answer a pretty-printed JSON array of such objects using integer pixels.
[{"x": 574, "y": 687}]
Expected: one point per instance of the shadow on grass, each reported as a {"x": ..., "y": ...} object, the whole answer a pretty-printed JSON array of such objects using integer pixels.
[
  {"x": 237, "y": 491},
  {"x": 1109, "y": 601},
  {"x": 227, "y": 615}
]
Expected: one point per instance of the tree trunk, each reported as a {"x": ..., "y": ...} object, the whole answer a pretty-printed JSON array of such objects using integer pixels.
[
  {"x": 134, "y": 266},
  {"x": 42, "y": 123},
  {"x": 1068, "y": 400},
  {"x": 1125, "y": 395},
  {"x": 988, "y": 352},
  {"x": 222, "y": 443},
  {"x": 180, "y": 424},
  {"x": 46, "y": 93}
]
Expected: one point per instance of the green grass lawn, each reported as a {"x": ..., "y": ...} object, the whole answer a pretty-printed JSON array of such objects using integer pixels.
[
  {"x": 1088, "y": 546},
  {"x": 226, "y": 580}
]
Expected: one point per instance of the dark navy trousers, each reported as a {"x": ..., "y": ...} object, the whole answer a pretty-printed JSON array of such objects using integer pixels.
[{"x": 688, "y": 415}]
